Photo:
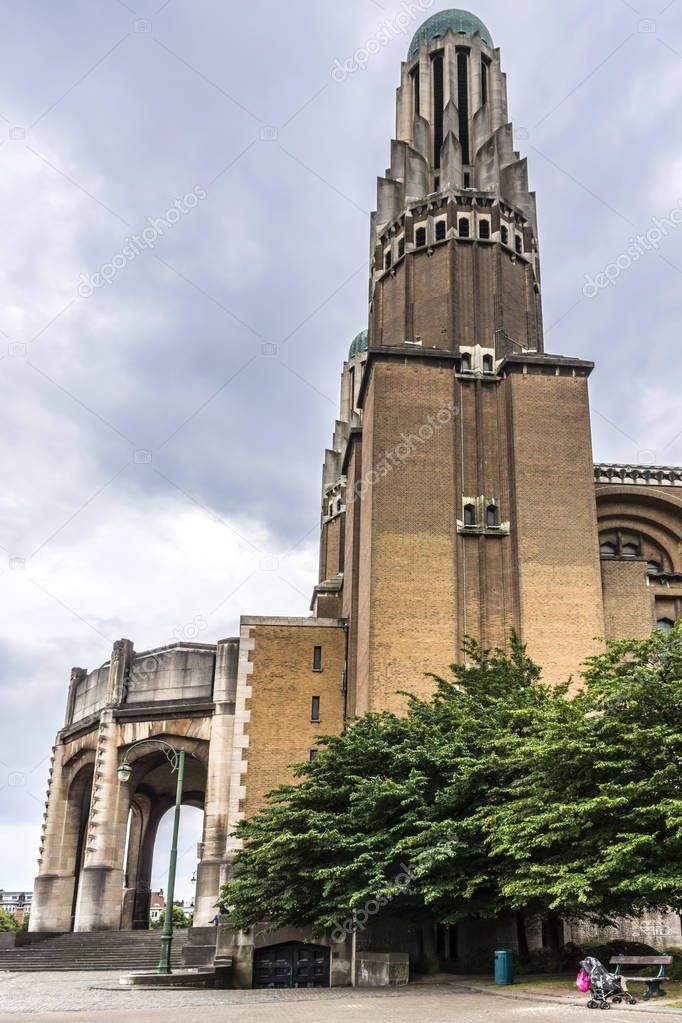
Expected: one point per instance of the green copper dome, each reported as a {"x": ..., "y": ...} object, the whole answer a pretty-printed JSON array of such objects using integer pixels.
[
  {"x": 437, "y": 26},
  {"x": 360, "y": 344}
]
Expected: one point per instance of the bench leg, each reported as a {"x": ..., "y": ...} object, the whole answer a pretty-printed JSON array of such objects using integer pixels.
[{"x": 653, "y": 989}]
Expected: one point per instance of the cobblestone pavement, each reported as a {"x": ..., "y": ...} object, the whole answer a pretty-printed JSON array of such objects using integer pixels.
[{"x": 97, "y": 997}]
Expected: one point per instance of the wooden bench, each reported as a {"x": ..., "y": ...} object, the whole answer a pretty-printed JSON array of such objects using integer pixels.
[{"x": 653, "y": 988}]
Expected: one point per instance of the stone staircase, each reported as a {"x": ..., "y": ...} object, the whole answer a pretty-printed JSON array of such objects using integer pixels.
[{"x": 94, "y": 950}]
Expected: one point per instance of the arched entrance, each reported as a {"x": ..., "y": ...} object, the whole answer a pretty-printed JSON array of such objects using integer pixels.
[
  {"x": 293, "y": 964},
  {"x": 152, "y": 795}
]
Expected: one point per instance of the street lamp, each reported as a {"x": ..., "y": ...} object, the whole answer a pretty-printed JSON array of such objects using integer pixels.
[{"x": 176, "y": 759}]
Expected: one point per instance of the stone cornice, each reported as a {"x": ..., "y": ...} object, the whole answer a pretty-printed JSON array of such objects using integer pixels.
[{"x": 639, "y": 475}]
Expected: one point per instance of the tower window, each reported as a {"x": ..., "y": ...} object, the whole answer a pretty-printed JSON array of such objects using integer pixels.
[
  {"x": 339, "y": 506},
  {"x": 313, "y": 754},
  {"x": 491, "y": 517},
  {"x": 416, "y": 88},
  {"x": 654, "y": 568},
  {"x": 401, "y": 248},
  {"x": 465, "y": 363},
  {"x": 420, "y": 237},
  {"x": 630, "y": 550},
  {"x": 484, "y": 81},
  {"x": 438, "y": 97},
  {"x": 484, "y": 230},
  {"x": 488, "y": 364},
  {"x": 469, "y": 515},
  {"x": 504, "y": 234},
  {"x": 463, "y": 227},
  {"x": 331, "y": 508},
  {"x": 317, "y": 658},
  {"x": 519, "y": 244},
  {"x": 388, "y": 259},
  {"x": 608, "y": 549},
  {"x": 315, "y": 709},
  {"x": 467, "y": 179},
  {"x": 441, "y": 228},
  {"x": 463, "y": 103}
]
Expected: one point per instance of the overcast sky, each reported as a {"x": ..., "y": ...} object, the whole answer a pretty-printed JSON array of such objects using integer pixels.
[{"x": 160, "y": 463}]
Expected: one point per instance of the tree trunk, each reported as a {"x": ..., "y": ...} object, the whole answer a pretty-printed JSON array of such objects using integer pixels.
[
  {"x": 522, "y": 937},
  {"x": 555, "y": 933},
  {"x": 430, "y": 956}
]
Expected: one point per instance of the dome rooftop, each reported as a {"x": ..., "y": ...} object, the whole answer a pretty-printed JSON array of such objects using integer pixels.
[
  {"x": 437, "y": 25},
  {"x": 359, "y": 345}
]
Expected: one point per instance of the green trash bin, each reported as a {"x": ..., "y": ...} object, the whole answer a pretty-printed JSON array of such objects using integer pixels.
[{"x": 504, "y": 967}]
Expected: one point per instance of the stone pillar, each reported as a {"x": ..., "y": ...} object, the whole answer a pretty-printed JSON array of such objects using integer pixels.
[
  {"x": 210, "y": 869},
  {"x": 53, "y": 889},
  {"x": 100, "y": 894}
]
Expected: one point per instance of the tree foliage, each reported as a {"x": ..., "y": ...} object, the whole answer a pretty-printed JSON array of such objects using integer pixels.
[
  {"x": 7, "y": 921},
  {"x": 180, "y": 920},
  {"x": 499, "y": 793}
]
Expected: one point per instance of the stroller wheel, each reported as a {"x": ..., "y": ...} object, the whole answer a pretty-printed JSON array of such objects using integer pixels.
[
  {"x": 617, "y": 1000},
  {"x": 632, "y": 1001},
  {"x": 591, "y": 1004},
  {"x": 604, "y": 1005}
]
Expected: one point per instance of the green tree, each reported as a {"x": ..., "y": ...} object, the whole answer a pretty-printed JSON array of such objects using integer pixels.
[
  {"x": 180, "y": 920},
  {"x": 498, "y": 794},
  {"x": 7, "y": 921},
  {"x": 596, "y": 827}
]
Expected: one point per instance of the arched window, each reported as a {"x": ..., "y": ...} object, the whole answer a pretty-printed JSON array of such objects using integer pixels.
[
  {"x": 491, "y": 517},
  {"x": 331, "y": 508},
  {"x": 469, "y": 515},
  {"x": 420, "y": 237},
  {"x": 465, "y": 363},
  {"x": 463, "y": 227},
  {"x": 504, "y": 234},
  {"x": 665, "y": 625},
  {"x": 488, "y": 364},
  {"x": 519, "y": 244},
  {"x": 608, "y": 549},
  {"x": 440, "y": 231},
  {"x": 484, "y": 230},
  {"x": 630, "y": 550},
  {"x": 654, "y": 567}
]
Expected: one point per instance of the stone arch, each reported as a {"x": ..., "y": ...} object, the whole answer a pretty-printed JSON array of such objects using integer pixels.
[{"x": 151, "y": 792}]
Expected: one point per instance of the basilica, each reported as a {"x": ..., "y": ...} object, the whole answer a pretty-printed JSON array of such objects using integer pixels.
[{"x": 459, "y": 499}]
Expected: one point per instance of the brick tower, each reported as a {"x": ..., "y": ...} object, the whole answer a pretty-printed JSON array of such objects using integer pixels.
[{"x": 458, "y": 496}]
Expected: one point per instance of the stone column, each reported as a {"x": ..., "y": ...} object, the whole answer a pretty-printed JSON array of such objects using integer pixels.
[
  {"x": 54, "y": 886},
  {"x": 213, "y": 847},
  {"x": 100, "y": 893}
]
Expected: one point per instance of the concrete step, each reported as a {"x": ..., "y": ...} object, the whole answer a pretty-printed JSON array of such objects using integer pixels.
[{"x": 93, "y": 950}]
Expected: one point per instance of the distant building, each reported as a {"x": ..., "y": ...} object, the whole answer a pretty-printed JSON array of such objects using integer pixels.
[
  {"x": 157, "y": 905},
  {"x": 17, "y": 904}
]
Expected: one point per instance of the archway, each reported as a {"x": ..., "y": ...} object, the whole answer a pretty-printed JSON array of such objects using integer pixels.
[
  {"x": 76, "y": 826},
  {"x": 152, "y": 795}
]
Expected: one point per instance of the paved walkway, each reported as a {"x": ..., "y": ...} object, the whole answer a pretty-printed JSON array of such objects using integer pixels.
[{"x": 97, "y": 998}]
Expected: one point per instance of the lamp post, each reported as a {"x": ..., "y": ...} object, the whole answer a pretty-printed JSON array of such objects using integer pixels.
[{"x": 176, "y": 759}]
